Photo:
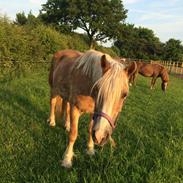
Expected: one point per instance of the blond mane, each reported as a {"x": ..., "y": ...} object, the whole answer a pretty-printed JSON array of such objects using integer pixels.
[
  {"x": 111, "y": 83},
  {"x": 89, "y": 63}
]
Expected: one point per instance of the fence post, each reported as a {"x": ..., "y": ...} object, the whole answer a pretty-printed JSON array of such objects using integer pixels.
[
  {"x": 169, "y": 65},
  {"x": 181, "y": 71},
  {"x": 173, "y": 67},
  {"x": 176, "y": 67}
]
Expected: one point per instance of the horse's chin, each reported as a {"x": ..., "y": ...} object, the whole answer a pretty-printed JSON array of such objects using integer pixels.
[{"x": 102, "y": 143}]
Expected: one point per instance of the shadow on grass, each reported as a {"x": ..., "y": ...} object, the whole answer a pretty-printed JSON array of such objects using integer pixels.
[
  {"x": 20, "y": 103},
  {"x": 40, "y": 148}
]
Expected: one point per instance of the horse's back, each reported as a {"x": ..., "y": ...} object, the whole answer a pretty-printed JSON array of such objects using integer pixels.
[{"x": 65, "y": 53}]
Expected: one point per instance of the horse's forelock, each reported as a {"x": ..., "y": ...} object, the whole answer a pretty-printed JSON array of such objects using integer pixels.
[{"x": 111, "y": 84}]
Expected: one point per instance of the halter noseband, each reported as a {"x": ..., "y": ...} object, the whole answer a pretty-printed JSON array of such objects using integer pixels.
[{"x": 104, "y": 115}]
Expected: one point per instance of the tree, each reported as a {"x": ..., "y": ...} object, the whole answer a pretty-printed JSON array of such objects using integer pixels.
[
  {"x": 173, "y": 50},
  {"x": 100, "y": 19},
  {"x": 21, "y": 19},
  {"x": 30, "y": 19},
  {"x": 138, "y": 42}
]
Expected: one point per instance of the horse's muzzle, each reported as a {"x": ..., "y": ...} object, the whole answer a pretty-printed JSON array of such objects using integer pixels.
[{"x": 100, "y": 139}]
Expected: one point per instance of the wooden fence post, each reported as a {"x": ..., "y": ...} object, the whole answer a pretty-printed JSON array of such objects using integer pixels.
[
  {"x": 181, "y": 72},
  {"x": 176, "y": 68},
  {"x": 173, "y": 67}
]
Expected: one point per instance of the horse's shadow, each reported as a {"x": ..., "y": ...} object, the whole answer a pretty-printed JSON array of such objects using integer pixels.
[
  {"x": 29, "y": 119},
  {"x": 19, "y": 103}
]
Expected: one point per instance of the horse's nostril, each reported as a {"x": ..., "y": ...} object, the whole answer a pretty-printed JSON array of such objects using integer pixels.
[{"x": 103, "y": 139}]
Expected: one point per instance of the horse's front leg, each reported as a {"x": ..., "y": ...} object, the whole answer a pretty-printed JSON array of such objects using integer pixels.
[
  {"x": 74, "y": 116},
  {"x": 51, "y": 119},
  {"x": 90, "y": 145},
  {"x": 152, "y": 81}
]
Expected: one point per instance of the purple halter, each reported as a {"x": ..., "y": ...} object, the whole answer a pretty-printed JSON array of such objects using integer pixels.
[{"x": 104, "y": 115}]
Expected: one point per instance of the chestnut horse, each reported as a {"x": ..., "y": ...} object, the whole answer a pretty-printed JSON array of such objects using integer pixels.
[
  {"x": 91, "y": 82},
  {"x": 151, "y": 70}
]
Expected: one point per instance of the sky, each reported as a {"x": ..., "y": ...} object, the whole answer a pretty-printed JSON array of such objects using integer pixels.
[{"x": 164, "y": 17}]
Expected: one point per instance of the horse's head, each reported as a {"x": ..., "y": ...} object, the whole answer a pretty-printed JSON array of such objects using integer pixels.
[
  {"x": 164, "y": 85},
  {"x": 111, "y": 91}
]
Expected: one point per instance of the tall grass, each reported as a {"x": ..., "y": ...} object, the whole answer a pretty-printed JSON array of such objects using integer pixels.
[{"x": 149, "y": 137}]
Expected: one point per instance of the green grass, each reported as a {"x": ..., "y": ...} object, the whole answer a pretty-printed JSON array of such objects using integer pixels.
[{"x": 149, "y": 137}]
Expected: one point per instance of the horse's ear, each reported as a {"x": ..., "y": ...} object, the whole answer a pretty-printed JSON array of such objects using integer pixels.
[
  {"x": 104, "y": 64},
  {"x": 131, "y": 69}
]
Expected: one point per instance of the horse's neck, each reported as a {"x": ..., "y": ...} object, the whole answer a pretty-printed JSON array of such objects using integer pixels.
[
  {"x": 82, "y": 83},
  {"x": 164, "y": 75}
]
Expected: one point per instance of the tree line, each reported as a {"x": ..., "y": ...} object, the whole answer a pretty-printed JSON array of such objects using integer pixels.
[
  {"x": 28, "y": 42},
  {"x": 103, "y": 20}
]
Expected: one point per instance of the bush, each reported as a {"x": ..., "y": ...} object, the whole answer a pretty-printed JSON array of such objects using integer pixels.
[{"x": 23, "y": 46}]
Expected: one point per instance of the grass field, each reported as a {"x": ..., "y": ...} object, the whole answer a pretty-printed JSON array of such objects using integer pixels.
[{"x": 149, "y": 137}]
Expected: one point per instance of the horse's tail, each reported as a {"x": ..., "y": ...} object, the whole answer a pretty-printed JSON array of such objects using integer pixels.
[
  {"x": 135, "y": 67},
  {"x": 133, "y": 73},
  {"x": 54, "y": 63}
]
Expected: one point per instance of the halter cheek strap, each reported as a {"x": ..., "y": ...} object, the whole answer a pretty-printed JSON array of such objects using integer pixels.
[{"x": 104, "y": 115}]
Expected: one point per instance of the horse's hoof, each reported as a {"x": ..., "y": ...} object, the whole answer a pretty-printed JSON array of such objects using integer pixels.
[
  {"x": 66, "y": 163},
  {"x": 52, "y": 124},
  {"x": 90, "y": 152}
]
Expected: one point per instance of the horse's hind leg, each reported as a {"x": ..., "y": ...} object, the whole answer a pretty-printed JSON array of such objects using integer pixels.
[
  {"x": 67, "y": 116},
  {"x": 74, "y": 115},
  {"x": 51, "y": 119},
  {"x": 153, "y": 81},
  {"x": 90, "y": 145}
]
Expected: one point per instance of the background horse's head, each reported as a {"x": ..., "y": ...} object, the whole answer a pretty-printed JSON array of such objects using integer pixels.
[
  {"x": 165, "y": 79},
  {"x": 111, "y": 91}
]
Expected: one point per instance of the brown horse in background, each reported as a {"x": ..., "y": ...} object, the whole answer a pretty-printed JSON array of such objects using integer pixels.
[
  {"x": 151, "y": 70},
  {"x": 91, "y": 82}
]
